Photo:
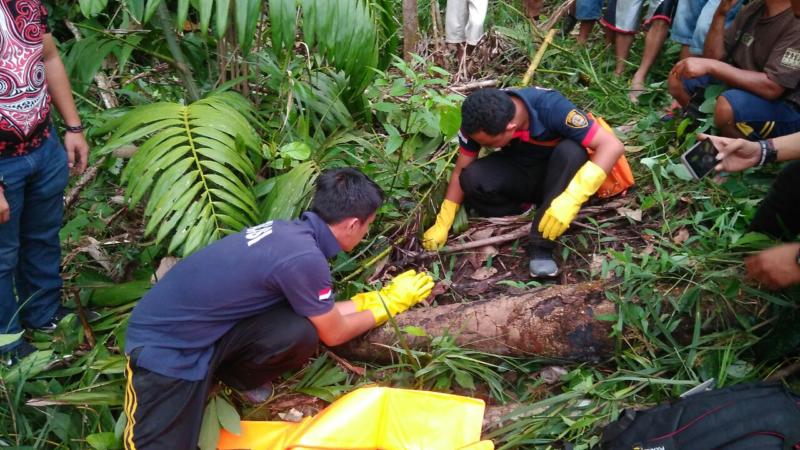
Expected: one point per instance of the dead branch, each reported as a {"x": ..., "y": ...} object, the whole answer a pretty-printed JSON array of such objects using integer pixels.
[
  {"x": 538, "y": 57},
  {"x": 557, "y": 15},
  {"x": 557, "y": 321},
  {"x": 468, "y": 87},
  {"x": 510, "y": 236}
]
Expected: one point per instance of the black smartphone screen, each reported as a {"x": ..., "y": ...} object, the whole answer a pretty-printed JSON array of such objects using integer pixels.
[{"x": 701, "y": 158}]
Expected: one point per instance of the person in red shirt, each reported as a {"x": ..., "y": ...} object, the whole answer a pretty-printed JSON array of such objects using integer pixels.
[{"x": 34, "y": 168}]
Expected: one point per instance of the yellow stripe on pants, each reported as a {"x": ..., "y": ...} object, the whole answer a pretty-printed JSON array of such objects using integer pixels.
[{"x": 129, "y": 407}]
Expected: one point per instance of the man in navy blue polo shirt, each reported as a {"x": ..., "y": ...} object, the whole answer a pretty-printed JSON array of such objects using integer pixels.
[
  {"x": 249, "y": 307},
  {"x": 543, "y": 159}
]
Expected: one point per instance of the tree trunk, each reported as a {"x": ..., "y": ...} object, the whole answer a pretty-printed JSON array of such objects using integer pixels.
[
  {"x": 555, "y": 321},
  {"x": 410, "y": 28}
]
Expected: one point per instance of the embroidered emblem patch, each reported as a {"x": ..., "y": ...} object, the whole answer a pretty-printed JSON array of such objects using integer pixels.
[
  {"x": 747, "y": 39},
  {"x": 576, "y": 119},
  {"x": 791, "y": 58}
]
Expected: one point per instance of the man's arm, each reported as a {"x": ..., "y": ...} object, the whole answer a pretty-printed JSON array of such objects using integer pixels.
[
  {"x": 454, "y": 192},
  {"x": 757, "y": 83},
  {"x": 337, "y": 326},
  {"x": 5, "y": 210},
  {"x": 714, "y": 47},
  {"x": 607, "y": 149},
  {"x": 775, "y": 267},
  {"x": 61, "y": 93},
  {"x": 735, "y": 155}
]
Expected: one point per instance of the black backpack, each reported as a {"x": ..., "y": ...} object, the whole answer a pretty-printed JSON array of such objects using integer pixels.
[{"x": 760, "y": 416}]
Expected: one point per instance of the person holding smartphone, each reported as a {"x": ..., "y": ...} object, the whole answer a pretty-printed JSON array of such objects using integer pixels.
[{"x": 777, "y": 215}]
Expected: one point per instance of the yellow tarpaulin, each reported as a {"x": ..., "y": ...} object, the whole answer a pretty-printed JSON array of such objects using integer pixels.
[{"x": 374, "y": 418}]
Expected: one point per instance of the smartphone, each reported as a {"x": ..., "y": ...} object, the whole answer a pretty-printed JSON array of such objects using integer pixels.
[{"x": 700, "y": 159}]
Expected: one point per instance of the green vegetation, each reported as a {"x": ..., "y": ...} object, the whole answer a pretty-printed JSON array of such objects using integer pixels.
[{"x": 284, "y": 96}]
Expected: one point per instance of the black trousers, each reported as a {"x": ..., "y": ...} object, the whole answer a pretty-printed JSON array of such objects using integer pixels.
[
  {"x": 501, "y": 183},
  {"x": 166, "y": 413},
  {"x": 778, "y": 215}
]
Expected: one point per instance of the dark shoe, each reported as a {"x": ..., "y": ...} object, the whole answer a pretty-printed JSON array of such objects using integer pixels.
[
  {"x": 17, "y": 353},
  {"x": 63, "y": 312},
  {"x": 258, "y": 395},
  {"x": 542, "y": 264}
]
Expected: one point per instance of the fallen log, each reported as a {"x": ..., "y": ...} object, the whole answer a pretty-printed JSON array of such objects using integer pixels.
[{"x": 557, "y": 321}]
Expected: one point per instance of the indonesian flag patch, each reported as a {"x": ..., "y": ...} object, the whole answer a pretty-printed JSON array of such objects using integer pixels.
[{"x": 325, "y": 294}]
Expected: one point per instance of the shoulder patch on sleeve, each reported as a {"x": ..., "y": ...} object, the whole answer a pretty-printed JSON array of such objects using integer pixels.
[
  {"x": 325, "y": 294},
  {"x": 791, "y": 58},
  {"x": 576, "y": 119}
]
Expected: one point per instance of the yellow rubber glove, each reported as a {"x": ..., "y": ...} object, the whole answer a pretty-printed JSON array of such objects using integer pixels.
[
  {"x": 436, "y": 236},
  {"x": 405, "y": 291},
  {"x": 564, "y": 208}
]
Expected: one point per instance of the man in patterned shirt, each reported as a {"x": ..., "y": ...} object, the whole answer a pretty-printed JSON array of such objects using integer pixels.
[{"x": 34, "y": 167}]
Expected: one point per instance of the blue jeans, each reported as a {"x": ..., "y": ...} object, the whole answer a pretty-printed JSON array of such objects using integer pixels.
[
  {"x": 693, "y": 19},
  {"x": 588, "y": 9},
  {"x": 30, "y": 252}
]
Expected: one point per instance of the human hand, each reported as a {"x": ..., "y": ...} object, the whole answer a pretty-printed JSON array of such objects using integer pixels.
[
  {"x": 436, "y": 236},
  {"x": 734, "y": 155},
  {"x": 406, "y": 290},
  {"x": 775, "y": 267},
  {"x": 403, "y": 292},
  {"x": 77, "y": 151},
  {"x": 565, "y": 207},
  {"x": 692, "y": 67},
  {"x": 5, "y": 210},
  {"x": 725, "y": 7}
]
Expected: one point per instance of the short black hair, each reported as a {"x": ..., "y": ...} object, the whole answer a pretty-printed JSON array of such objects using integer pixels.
[
  {"x": 343, "y": 193},
  {"x": 488, "y": 110}
]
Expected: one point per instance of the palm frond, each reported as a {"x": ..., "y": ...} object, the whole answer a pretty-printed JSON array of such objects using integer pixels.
[{"x": 195, "y": 175}]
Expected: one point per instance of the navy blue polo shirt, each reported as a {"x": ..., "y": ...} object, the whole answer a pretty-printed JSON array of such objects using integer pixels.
[
  {"x": 552, "y": 118},
  {"x": 180, "y": 319}
]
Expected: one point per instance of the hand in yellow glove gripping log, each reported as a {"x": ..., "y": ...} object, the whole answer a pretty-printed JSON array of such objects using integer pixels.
[
  {"x": 405, "y": 291},
  {"x": 436, "y": 236},
  {"x": 564, "y": 208}
]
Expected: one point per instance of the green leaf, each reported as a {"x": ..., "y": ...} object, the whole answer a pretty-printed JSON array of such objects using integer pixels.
[
  {"x": 205, "y": 7},
  {"x": 464, "y": 379},
  {"x": 296, "y": 150},
  {"x": 449, "y": 121},
  {"x": 150, "y": 9},
  {"x": 228, "y": 417},
  {"x": 209, "y": 429},
  {"x": 91, "y": 8},
  {"x": 119, "y": 294},
  {"x": 415, "y": 331},
  {"x": 248, "y": 14},
  {"x": 136, "y": 8},
  {"x": 6, "y": 339},
  {"x": 223, "y": 8},
  {"x": 103, "y": 441}
]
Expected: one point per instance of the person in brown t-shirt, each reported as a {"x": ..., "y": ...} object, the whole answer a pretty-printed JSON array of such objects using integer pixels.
[{"x": 758, "y": 58}]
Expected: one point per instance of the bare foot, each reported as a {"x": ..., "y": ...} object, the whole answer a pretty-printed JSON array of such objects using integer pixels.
[{"x": 637, "y": 89}]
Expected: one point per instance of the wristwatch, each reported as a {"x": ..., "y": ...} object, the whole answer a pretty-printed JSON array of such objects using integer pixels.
[{"x": 768, "y": 152}]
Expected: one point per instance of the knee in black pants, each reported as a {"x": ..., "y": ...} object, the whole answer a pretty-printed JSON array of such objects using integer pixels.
[
  {"x": 777, "y": 215},
  {"x": 568, "y": 156},
  {"x": 263, "y": 347}
]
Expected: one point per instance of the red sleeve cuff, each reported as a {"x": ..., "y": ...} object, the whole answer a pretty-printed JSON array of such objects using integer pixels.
[
  {"x": 590, "y": 135},
  {"x": 467, "y": 152}
]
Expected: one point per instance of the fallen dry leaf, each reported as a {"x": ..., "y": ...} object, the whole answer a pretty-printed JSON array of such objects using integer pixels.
[
  {"x": 633, "y": 214},
  {"x": 483, "y": 273},
  {"x": 166, "y": 263},
  {"x": 681, "y": 236}
]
